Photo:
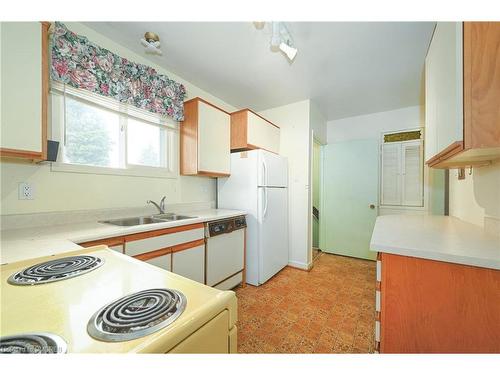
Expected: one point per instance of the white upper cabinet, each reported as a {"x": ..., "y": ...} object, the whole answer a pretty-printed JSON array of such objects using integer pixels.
[
  {"x": 205, "y": 140},
  {"x": 23, "y": 89},
  {"x": 462, "y": 79},
  {"x": 443, "y": 88},
  {"x": 250, "y": 131}
]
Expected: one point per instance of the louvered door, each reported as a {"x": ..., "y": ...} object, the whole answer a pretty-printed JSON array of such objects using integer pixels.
[{"x": 411, "y": 174}]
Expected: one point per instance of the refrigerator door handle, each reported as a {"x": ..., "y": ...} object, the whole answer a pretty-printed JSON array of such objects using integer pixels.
[
  {"x": 265, "y": 203},
  {"x": 264, "y": 172}
]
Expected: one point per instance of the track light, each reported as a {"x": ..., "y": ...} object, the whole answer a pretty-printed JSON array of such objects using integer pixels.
[
  {"x": 288, "y": 50},
  {"x": 281, "y": 40}
]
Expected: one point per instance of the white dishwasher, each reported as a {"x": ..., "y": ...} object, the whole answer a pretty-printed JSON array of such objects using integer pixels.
[{"x": 225, "y": 256}]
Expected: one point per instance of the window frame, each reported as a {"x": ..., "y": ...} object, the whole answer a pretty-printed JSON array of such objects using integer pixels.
[
  {"x": 169, "y": 126},
  {"x": 423, "y": 205}
]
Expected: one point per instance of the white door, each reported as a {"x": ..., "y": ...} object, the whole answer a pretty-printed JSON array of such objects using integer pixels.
[
  {"x": 273, "y": 231},
  {"x": 273, "y": 169}
]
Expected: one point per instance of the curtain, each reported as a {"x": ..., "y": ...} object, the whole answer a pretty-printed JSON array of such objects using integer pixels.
[{"x": 82, "y": 64}]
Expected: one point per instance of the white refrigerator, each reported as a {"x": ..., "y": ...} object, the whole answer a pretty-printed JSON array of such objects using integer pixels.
[{"x": 259, "y": 185}]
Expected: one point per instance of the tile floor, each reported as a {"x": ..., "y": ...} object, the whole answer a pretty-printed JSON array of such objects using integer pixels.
[{"x": 330, "y": 309}]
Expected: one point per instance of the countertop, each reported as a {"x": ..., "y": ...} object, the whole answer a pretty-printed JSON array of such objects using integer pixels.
[
  {"x": 20, "y": 244},
  {"x": 442, "y": 238}
]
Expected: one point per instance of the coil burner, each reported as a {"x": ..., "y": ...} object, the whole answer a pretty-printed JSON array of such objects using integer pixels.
[
  {"x": 33, "y": 343},
  {"x": 137, "y": 315},
  {"x": 56, "y": 270}
]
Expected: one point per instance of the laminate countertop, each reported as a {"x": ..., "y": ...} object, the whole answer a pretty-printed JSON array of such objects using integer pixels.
[
  {"x": 442, "y": 238},
  {"x": 33, "y": 242}
]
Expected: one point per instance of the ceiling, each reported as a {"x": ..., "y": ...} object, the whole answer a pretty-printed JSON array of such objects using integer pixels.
[{"x": 347, "y": 68}]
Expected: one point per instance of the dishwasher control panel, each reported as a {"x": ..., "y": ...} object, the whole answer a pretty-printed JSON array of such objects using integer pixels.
[{"x": 216, "y": 228}]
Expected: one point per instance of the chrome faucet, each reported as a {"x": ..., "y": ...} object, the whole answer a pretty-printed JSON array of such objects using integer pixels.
[{"x": 161, "y": 206}]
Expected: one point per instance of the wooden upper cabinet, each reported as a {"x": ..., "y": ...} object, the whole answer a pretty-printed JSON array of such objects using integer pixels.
[
  {"x": 24, "y": 86},
  {"x": 462, "y": 76},
  {"x": 251, "y": 131},
  {"x": 205, "y": 140}
]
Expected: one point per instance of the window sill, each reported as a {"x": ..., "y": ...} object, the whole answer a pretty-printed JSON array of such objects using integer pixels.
[{"x": 134, "y": 171}]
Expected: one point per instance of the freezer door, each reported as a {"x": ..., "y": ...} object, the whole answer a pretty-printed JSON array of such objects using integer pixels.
[
  {"x": 273, "y": 169},
  {"x": 273, "y": 231}
]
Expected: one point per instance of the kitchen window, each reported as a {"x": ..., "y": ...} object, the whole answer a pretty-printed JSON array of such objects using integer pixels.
[
  {"x": 100, "y": 135},
  {"x": 401, "y": 177}
]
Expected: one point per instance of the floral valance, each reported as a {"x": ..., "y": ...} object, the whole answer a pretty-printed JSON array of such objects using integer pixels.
[{"x": 82, "y": 64}]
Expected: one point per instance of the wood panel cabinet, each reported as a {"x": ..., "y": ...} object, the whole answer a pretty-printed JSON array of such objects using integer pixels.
[
  {"x": 462, "y": 76},
  {"x": 427, "y": 306},
  {"x": 205, "y": 140},
  {"x": 24, "y": 89},
  {"x": 251, "y": 131}
]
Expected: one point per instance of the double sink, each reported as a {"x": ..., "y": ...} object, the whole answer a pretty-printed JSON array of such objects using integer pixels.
[{"x": 141, "y": 220}]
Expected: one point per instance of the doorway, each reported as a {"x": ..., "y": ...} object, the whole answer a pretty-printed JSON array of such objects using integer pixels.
[
  {"x": 350, "y": 197},
  {"x": 316, "y": 198}
]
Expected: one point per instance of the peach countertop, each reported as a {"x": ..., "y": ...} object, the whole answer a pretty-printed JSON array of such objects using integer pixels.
[
  {"x": 26, "y": 243},
  {"x": 442, "y": 238}
]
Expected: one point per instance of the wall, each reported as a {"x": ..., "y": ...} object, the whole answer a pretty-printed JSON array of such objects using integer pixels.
[
  {"x": 60, "y": 191},
  {"x": 318, "y": 123},
  {"x": 295, "y": 144},
  {"x": 370, "y": 127},
  {"x": 476, "y": 199}
]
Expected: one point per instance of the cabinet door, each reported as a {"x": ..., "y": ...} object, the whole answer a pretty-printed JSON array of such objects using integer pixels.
[
  {"x": 444, "y": 76},
  {"x": 21, "y": 88},
  {"x": 190, "y": 263},
  {"x": 164, "y": 261},
  {"x": 262, "y": 134},
  {"x": 214, "y": 139}
]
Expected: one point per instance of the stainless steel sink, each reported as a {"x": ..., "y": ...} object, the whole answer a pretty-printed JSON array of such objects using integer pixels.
[
  {"x": 141, "y": 220},
  {"x": 130, "y": 221},
  {"x": 172, "y": 217}
]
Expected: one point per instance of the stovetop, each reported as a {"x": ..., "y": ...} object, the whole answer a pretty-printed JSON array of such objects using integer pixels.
[
  {"x": 137, "y": 315},
  {"x": 56, "y": 270}
]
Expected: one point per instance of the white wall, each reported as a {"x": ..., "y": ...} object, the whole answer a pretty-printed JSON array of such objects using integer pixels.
[
  {"x": 370, "y": 127},
  {"x": 318, "y": 123},
  {"x": 295, "y": 140},
  {"x": 476, "y": 199},
  {"x": 60, "y": 191}
]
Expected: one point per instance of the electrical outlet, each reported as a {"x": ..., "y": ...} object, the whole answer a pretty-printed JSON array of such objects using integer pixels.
[{"x": 26, "y": 191}]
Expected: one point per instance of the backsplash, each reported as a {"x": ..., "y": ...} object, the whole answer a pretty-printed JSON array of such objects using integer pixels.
[{"x": 44, "y": 219}]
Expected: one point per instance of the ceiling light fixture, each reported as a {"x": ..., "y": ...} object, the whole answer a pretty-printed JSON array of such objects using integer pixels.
[
  {"x": 281, "y": 39},
  {"x": 151, "y": 42}
]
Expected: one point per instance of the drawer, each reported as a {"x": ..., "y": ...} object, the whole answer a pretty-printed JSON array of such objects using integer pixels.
[{"x": 160, "y": 242}]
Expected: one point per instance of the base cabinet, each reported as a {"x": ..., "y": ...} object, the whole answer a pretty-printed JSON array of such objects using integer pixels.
[
  {"x": 190, "y": 263},
  {"x": 163, "y": 261},
  {"x": 427, "y": 306}
]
